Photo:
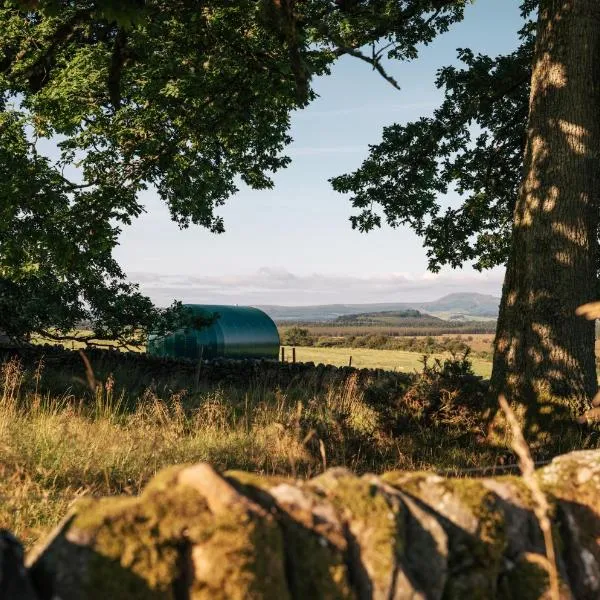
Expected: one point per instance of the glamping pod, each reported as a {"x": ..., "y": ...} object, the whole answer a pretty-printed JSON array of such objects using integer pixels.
[{"x": 237, "y": 332}]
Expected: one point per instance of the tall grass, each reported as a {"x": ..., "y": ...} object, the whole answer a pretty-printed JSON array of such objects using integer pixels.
[
  {"x": 57, "y": 447},
  {"x": 62, "y": 438}
]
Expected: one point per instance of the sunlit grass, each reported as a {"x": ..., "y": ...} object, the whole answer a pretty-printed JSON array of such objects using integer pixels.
[
  {"x": 366, "y": 358},
  {"x": 59, "y": 440}
]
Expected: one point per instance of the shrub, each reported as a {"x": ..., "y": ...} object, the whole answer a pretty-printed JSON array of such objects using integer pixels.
[
  {"x": 297, "y": 336},
  {"x": 332, "y": 342},
  {"x": 376, "y": 341}
]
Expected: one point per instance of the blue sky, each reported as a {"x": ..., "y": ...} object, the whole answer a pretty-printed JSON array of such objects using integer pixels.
[{"x": 294, "y": 244}]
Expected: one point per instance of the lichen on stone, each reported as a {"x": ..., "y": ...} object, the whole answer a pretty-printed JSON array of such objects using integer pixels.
[{"x": 196, "y": 534}]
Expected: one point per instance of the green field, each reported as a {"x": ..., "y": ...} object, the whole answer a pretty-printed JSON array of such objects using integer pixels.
[{"x": 365, "y": 358}]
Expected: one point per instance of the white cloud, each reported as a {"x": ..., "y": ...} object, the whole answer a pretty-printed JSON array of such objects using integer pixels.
[{"x": 279, "y": 286}]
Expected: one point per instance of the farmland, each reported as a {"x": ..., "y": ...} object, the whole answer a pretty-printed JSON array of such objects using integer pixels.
[
  {"x": 339, "y": 348},
  {"x": 367, "y": 358},
  {"x": 62, "y": 440},
  {"x": 409, "y": 328}
]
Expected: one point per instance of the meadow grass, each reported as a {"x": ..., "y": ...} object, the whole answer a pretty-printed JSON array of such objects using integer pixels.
[
  {"x": 366, "y": 358},
  {"x": 59, "y": 440}
]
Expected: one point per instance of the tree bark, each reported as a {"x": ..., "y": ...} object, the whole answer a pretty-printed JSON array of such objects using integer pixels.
[{"x": 542, "y": 349}]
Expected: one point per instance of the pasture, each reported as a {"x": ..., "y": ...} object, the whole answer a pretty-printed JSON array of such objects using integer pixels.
[{"x": 367, "y": 358}]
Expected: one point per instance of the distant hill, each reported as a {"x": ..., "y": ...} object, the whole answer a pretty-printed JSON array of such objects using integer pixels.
[
  {"x": 464, "y": 304},
  {"x": 401, "y": 318},
  {"x": 460, "y": 306}
]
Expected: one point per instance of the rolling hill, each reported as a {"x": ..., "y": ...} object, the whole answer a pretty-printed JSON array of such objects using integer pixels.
[
  {"x": 403, "y": 318},
  {"x": 460, "y": 306}
]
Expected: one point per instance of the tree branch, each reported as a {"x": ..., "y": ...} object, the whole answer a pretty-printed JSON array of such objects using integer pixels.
[
  {"x": 117, "y": 60},
  {"x": 373, "y": 61},
  {"x": 37, "y": 73},
  {"x": 91, "y": 340}
]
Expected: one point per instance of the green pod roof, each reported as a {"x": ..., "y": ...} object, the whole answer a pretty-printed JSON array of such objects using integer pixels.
[{"x": 238, "y": 332}]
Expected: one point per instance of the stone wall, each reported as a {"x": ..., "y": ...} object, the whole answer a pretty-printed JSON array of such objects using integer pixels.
[
  {"x": 223, "y": 371},
  {"x": 196, "y": 534}
]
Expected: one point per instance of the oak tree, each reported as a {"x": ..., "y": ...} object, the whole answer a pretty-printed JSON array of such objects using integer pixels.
[
  {"x": 517, "y": 137},
  {"x": 185, "y": 97}
]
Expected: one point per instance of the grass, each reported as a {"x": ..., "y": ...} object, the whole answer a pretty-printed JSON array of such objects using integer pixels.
[
  {"x": 366, "y": 358},
  {"x": 59, "y": 440},
  {"x": 445, "y": 328}
]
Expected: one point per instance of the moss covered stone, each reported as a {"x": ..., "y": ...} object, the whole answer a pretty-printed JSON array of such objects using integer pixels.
[{"x": 196, "y": 534}]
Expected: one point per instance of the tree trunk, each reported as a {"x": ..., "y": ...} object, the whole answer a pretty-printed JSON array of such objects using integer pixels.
[{"x": 542, "y": 350}]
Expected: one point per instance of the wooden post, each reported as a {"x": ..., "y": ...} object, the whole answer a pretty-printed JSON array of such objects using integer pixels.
[
  {"x": 282, "y": 353},
  {"x": 350, "y": 362},
  {"x": 294, "y": 354}
]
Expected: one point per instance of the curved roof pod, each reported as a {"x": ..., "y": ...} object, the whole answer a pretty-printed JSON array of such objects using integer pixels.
[{"x": 238, "y": 332}]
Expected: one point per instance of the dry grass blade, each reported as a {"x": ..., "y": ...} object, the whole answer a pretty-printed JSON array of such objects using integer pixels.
[
  {"x": 323, "y": 454},
  {"x": 590, "y": 311},
  {"x": 89, "y": 372},
  {"x": 593, "y": 414},
  {"x": 541, "y": 507}
]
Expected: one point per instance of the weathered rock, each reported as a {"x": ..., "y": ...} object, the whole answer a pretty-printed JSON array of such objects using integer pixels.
[{"x": 196, "y": 534}]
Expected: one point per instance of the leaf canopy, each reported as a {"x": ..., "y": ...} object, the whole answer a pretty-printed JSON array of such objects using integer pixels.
[
  {"x": 473, "y": 145},
  {"x": 185, "y": 97}
]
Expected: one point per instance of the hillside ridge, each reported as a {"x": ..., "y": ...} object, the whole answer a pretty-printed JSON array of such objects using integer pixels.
[{"x": 467, "y": 305}]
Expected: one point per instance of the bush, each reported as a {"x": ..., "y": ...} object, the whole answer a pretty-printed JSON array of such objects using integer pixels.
[
  {"x": 332, "y": 342},
  {"x": 447, "y": 391},
  {"x": 297, "y": 336},
  {"x": 377, "y": 341}
]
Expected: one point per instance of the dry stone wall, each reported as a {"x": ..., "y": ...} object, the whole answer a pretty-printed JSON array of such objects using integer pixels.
[
  {"x": 223, "y": 372},
  {"x": 196, "y": 534}
]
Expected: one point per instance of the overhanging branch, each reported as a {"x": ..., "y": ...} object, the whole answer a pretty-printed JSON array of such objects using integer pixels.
[{"x": 374, "y": 61}]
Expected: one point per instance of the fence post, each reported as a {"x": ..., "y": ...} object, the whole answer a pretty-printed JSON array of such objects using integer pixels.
[
  {"x": 350, "y": 362},
  {"x": 282, "y": 353},
  {"x": 294, "y": 354}
]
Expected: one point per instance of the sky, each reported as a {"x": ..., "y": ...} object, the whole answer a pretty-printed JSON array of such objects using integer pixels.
[{"x": 294, "y": 245}]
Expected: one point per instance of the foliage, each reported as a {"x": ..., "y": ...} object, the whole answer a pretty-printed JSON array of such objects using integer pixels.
[
  {"x": 425, "y": 344},
  {"x": 446, "y": 386},
  {"x": 409, "y": 317},
  {"x": 323, "y": 330},
  {"x": 180, "y": 97},
  {"x": 297, "y": 336},
  {"x": 129, "y": 118},
  {"x": 472, "y": 144}
]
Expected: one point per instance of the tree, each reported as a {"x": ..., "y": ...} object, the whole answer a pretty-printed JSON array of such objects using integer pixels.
[
  {"x": 543, "y": 224},
  {"x": 298, "y": 336},
  {"x": 182, "y": 96},
  {"x": 136, "y": 107},
  {"x": 473, "y": 143},
  {"x": 552, "y": 265}
]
